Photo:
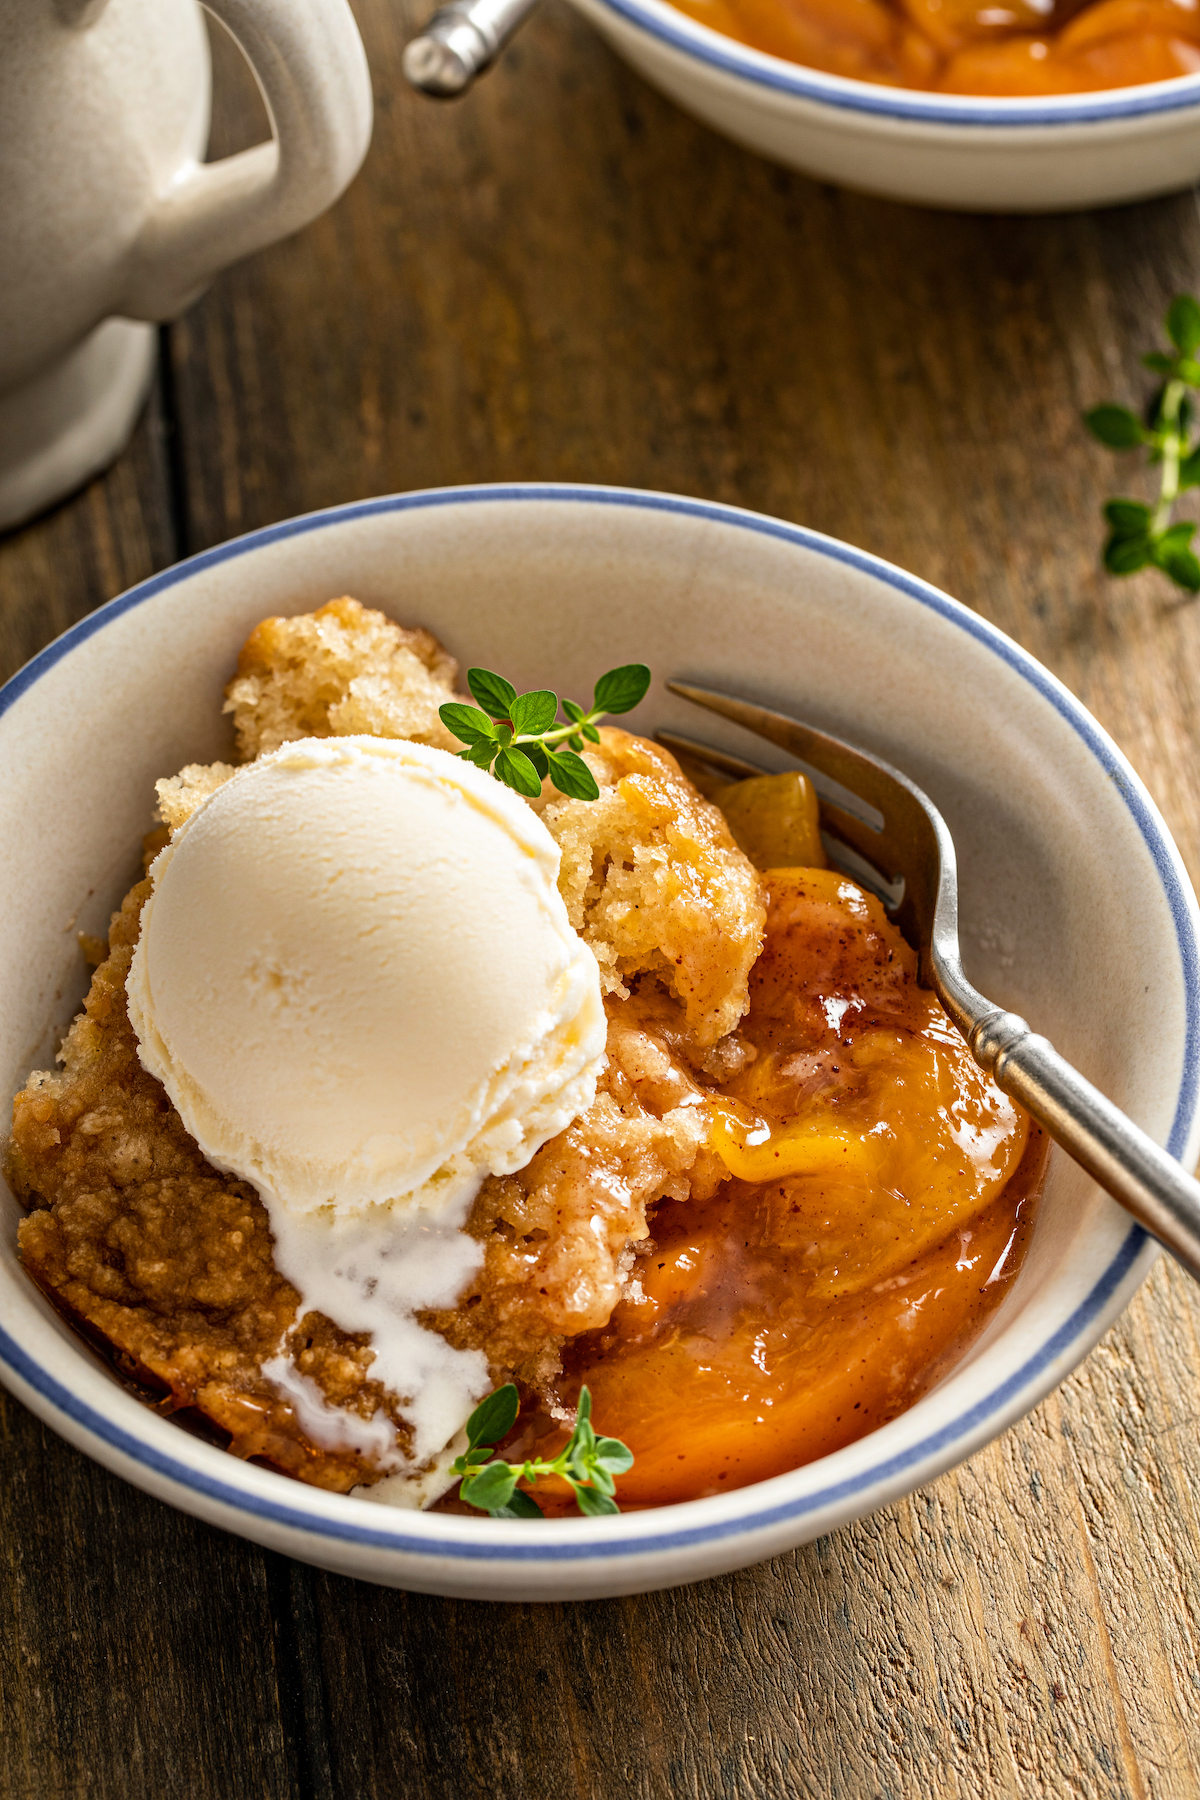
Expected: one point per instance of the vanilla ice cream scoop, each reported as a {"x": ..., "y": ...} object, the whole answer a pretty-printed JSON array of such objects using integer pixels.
[{"x": 357, "y": 981}]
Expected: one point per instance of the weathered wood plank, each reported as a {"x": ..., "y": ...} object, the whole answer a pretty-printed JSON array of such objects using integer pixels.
[{"x": 138, "y": 1654}]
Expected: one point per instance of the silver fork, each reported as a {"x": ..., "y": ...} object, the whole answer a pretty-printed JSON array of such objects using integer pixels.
[{"x": 886, "y": 833}]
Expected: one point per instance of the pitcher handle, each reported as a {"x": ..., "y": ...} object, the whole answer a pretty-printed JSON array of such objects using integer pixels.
[{"x": 311, "y": 68}]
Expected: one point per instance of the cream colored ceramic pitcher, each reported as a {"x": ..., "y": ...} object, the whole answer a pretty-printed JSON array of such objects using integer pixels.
[{"x": 109, "y": 218}]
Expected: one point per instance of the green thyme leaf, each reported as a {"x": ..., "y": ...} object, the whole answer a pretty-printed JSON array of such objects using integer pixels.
[
  {"x": 1183, "y": 566},
  {"x": 493, "y": 693},
  {"x": 515, "y": 770},
  {"x": 494, "y": 1417},
  {"x": 467, "y": 722},
  {"x": 518, "y": 736},
  {"x": 580, "y": 1459},
  {"x": 621, "y": 689},
  {"x": 520, "y": 1506},
  {"x": 1171, "y": 553},
  {"x": 586, "y": 1463},
  {"x": 595, "y": 1504},
  {"x": 1128, "y": 518},
  {"x": 491, "y": 1488},
  {"x": 1142, "y": 535},
  {"x": 1183, "y": 324},
  {"x": 1126, "y": 555},
  {"x": 533, "y": 713},
  {"x": 614, "y": 1456},
  {"x": 571, "y": 775},
  {"x": 1115, "y": 426}
]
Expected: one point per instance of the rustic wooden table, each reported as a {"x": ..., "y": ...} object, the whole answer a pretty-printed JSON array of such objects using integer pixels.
[{"x": 565, "y": 277}]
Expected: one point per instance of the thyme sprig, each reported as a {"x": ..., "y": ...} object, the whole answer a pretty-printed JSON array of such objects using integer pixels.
[
  {"x": 518, "y": 736},
  {"x": 586, "y": 1463},
  {"x": 1142, "y": 535}
]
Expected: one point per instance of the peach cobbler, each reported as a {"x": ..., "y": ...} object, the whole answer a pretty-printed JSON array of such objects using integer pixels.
[{"x": 393, "y": 1086}]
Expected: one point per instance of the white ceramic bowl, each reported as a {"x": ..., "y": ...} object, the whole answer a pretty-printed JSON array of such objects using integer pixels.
[
  {"x": 1076, "y": 908},
  {"x": 1052, "y": 154}
]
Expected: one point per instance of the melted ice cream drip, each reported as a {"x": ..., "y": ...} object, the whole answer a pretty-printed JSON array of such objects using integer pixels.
[
  {"x": 373, "y": 1272},
  {"x": 334, "y": 1427}
]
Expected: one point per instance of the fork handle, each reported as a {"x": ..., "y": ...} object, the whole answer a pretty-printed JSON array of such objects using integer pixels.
[
  {"x": 1137, "y": 1172},
  {"x": 461, "y": 40}
]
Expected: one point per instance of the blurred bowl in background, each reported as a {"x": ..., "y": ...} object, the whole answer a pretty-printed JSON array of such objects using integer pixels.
[{"x": 1056, "y": 153}]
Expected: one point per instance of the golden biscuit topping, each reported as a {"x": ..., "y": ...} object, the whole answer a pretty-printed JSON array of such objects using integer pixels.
[
  {"x": 654, "y": 882},
  {"x": 340, "y": 671}
]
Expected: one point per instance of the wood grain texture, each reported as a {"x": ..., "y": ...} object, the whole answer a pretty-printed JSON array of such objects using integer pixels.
[{"x": 565, "y": 277}]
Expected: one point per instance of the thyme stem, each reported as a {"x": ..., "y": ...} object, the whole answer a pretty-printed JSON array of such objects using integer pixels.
[
  {"x": 1142, "y": 536},
  {"x": 1172, "y": 444}
]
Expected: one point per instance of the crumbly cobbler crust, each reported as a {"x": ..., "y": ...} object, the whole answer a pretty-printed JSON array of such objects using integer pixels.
[
  {"x": 655, "y": 884},
  {"x": 169, "y": 1261},
  {"x": 339, "y": 671}
]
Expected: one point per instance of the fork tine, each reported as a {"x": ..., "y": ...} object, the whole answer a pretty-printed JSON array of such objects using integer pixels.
[
  {"x": 889, "y": 889},
  {"x": 856, "y": 776},
  {"x": 906, "y": 846},
  {"x": 705, "y": 753}
]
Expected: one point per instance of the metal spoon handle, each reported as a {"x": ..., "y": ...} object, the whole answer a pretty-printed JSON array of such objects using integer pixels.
[
  {"x": 460, "y": 42},
  {"x": 1136, "y": 1171}
]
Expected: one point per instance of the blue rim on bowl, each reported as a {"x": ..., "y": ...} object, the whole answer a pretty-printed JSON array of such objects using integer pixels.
[
  {"x": 633, "y": 1535},
  {"x": 681, "y": 32}
]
